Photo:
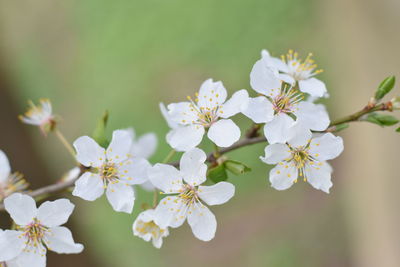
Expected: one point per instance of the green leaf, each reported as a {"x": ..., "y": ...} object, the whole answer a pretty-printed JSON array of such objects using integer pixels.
[
  {"x": 398, "y": 130},
  {"x": 236, "y": 167},
  {"x": 99, "y": 134},
  {"x": 385, "y": 87},
  {"x": 381, "y": 119},
  {"x": 341, "y": 127},
  {"x": 217, "y": 174}
]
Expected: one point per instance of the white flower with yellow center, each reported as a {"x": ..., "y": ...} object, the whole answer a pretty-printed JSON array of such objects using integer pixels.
[
  {"x": 38, "y": 230},
  {"x": 113, "y": 170},
  {"x": 280, "y": 105},
  {"x": 9, "y": 182},
  {"x": 187, "y": 197},
  {"x": 209, "y": 111},
  {"x": 41, "y": 116},
  {"x": 303, "y": 160},
  {"x": 145, "y": 228},
  {"x": 293, "y": 69}
]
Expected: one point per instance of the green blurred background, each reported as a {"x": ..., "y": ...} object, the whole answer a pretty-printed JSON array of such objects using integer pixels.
[{"x": 127, "y": 56}]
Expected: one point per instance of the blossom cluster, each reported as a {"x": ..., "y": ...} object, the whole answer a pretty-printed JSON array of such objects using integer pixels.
[{"x": 284, "y": 106}]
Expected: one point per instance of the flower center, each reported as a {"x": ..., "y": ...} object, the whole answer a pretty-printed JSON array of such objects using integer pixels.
[
  {"x": 299, "y": 69},
  {"x": 205, "y": 116},
  {"x": 149, "y": 227},
  {"x": 109, "y": 172},
  {"x": 14, "y": 183},
  {"x": 301, "y": 158},
  {"x": 189, "y": 194},
  {"x": 34, "y": 233},
  {"x": 287, "y": 100}
]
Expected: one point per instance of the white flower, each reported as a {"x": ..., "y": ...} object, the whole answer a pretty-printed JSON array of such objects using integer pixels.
[
  {"x": 9, "y": 182},
  {"x": 113, "y": 169},
  {"x": 145, "y": 228},
  {"x": 187, "y": 196},
  {"x": 41, "y": 116},
  {"x": 38, "y": 230},
  {"x": 210, "y": 111},
  {"x": 277, "y": 105},
  {"x": 306, "y": 160},
  {"x": 293, "y": 69}
]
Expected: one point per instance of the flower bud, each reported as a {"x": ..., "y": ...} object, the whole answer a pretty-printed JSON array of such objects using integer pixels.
[{"x": 385, "y": 87}]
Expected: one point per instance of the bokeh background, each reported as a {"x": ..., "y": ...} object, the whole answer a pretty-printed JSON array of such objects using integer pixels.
[{"x": 127, "y": 56}]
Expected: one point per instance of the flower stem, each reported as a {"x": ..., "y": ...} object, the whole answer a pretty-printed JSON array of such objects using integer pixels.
[{"x": 64, "y": 141}]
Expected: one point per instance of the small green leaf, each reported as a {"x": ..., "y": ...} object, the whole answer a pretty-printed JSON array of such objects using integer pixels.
[
  {"x": 398, "y": 130},
  {"x": 385, "y": 87},
  {"x": 217, "y": 174},
  {"x": 341, "y": 127},
  {"x": 236, "y": 167},
  {"x": 381, "y": 119},
  {"x": 99, "y": 134}
]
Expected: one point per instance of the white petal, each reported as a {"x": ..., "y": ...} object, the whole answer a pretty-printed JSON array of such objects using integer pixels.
[
  {"x": 31, "y": 259},
  {"x": 186, "y": 137},
  {"x": 121, "y": 196},
  {"x": 120, "y": 146},
  {"x": 55, "y": 213},
  {"x": 203, "y": 222},
  {"x": 145, "y": 146},
  {"x": 277, "y": 130},
  {"x": 216, "y": 194},
  {"x": 313, "y": 86},
  {"x": 235, "y": 104},
  {"x": 259, "y": 109},
  {"x": 319, "y": 176},
  {"x": 326, "y": 147},
  {"x": 11, "y": 244},
  {"x": 148, "y": 186},
  {"x": 193, "y": 167},
  {"x": 263, "y": 80},
  {"x": 283, "y": 176},
  {"x": 171, "y": 211},
  {"x": 157, "y": 242},
  {"x": 172, "y": 124},
  {"x": 166, "y": 178},
  {"x": 287, "y": 78},
  {"x": 313, "y": 116},
  {"x": 183, "y": 113},
  {"x": 147, "y": 215},
  {"x": 211, "y": 94},
  {"x": 276, "y": 153},
  {"x": 22, "y": 208},
  {"x": 89, "y": 186},
  {"x": 299, "y": 135},
  {"x": 134, "y": 170},
  {"x": 88, "y": 152},
  {"x": 60, "y": 240},
  {"x": 5, "y": 168},
  {"x": 273, "y": 61},
  {"x": 224, "y": 133}
]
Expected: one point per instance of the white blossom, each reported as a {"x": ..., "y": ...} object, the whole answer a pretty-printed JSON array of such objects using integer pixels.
[
  {"x": 293, "y": 69},
  {"x": 41, "y": 116},
  {"x": 187, "y": 198},
  {"x": 209, "y": 111},
  {"x": 146, "y": 228},
  {"x": 305, "y": 160},
  {"x": 280, "y": 105},
  {"x": 38, "y": 230},
  {"x": 9, "y": 182},
  {"x": 113, "y": 170}
]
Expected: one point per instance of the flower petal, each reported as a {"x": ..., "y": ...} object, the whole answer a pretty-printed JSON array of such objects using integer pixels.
[
  {"x": 120, "y": 146},
  {"x": 313, "y": 116},
  {"x": 224, "y": 133},
  {"x": 282, "y": 176},
  {"x": 172, "y": 124},
  {"x": 166, "y": 178},
  {"x": 60, "y": 240},
  {"x": 235, "y": 104},
  {"x": 326, "y": 147},
  {"x": 32, "y": 258},
  {"x": 299, "y": 134},
  {"x": 55, "y": 213},
  {"x": 88, "y": 152},
  {"x": 134, "y": 171},
  {"x": 263, "y": 79},
  {"x": 313, "y": 86},
  {"x": 22, "y": 208},
  {"x": 203, "y": 222},
  {"x": 319, "y": 176},
  {"x": 171, "y": 211},
  {"x": 259, "y": 109},
  {"x": 183, "y": 113},
  {"x": 216, "y": 194},
  {"x": 121, "y": 196},
  {"x": 11, "y": 244},
  {"x": 145, "y": 146},
  {"x": 277, "y": 130},
  {"x": 89, "y": 186},
  {"x": 276, "y": 153},
  {"x": 186, "y": 137},
  {"x": 193, "y": 167},
  {"x": 5, "y": 168},
  {"x": 211, "y": 94},
  {"x": 273, "y": 61}
]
